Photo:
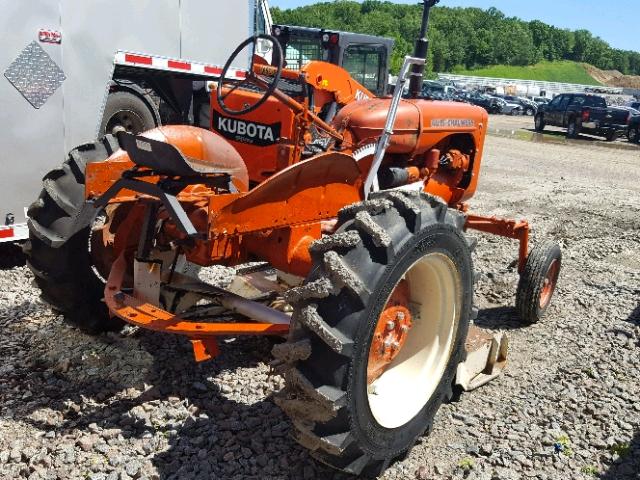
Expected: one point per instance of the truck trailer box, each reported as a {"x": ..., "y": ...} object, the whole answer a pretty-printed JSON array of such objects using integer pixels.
[{"x": 61, "y": 59}]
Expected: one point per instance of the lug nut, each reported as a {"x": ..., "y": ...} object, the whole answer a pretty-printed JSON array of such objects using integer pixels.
[
  {"x": 400, "y": 316},
  {"x": 391, "y": 325},
  {"x": 395, "y": 345},
  {"x": 404, "y": 328},
  {"x": 387, "y": 343}
]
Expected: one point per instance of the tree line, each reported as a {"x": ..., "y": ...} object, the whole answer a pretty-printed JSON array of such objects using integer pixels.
[{"x": 463, "y": 38}]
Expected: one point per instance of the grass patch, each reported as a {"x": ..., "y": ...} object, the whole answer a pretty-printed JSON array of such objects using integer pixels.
[
  {"x": 564, "y": 72},
  {"x": 590, "y": 470},
  {"x": 621, "y": 449},
  {"x": 466, "y": 464}
]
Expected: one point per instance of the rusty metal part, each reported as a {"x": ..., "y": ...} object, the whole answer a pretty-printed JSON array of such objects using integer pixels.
[
  {"x": 391, "y": 332},
  {"x": 518, "y": 230},
  {"x": 486, "y": 358},
  {"x": 150, "y": 316}
]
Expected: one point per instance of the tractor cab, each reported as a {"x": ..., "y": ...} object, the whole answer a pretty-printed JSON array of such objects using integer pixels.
[{"x": 366, "y": 57}]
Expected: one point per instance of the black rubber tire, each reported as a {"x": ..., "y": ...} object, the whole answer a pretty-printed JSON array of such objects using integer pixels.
[
  {"x": 633, "y": 135},
  {"x": 539, "y": 123},
  {"x": 573, "y": 129},
  {"x": 335, "y": 314},
  {"x": 532, "y": 280},
  {"x": 140, "y": 112},
  {"x": 611, "y": 136},
  {"x": 63, "y": 268},
  {"x": 530, "y": 112}
]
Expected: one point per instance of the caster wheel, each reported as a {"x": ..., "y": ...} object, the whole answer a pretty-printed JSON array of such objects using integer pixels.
[{"x": 538, "y": 281}]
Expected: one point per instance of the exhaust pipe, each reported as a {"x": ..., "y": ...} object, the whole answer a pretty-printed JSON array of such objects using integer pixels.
[{"x": 422, "y": 47}]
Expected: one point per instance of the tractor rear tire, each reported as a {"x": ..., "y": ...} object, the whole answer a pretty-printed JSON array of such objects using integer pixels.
[
  {"x": 63, "y": 268},
  {"x": 538, "y": 281},
  {"x": 349, "y": 422}
]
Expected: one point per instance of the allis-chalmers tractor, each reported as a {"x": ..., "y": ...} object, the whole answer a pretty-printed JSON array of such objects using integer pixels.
[{"x": 357, "y": 202}]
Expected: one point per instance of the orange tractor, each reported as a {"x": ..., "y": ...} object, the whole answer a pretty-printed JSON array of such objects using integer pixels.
[{"x": 358, "y": 204}]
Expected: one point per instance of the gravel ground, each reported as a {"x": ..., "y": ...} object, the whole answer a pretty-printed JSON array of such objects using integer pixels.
[{"x": 135, "y": 405}]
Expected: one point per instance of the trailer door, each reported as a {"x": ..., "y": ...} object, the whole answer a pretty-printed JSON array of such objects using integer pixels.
[{"x": 31, "y": 127}]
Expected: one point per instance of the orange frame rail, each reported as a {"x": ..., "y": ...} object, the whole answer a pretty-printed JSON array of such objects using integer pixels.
[
  {"x": 151, "y": 317},
  {"x": 517, "y": 230}
]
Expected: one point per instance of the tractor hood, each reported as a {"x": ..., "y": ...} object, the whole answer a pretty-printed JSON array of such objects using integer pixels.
[{"x": 364, "y": 121}]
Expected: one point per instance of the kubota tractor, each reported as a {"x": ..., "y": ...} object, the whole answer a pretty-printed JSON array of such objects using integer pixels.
[{"x": 357, "y": 202}]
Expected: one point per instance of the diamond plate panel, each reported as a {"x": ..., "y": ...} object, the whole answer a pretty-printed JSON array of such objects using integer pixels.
[{"x": 35, "y": 75}]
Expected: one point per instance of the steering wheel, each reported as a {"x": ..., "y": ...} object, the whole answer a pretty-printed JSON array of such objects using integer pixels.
[{"x": 275, "y": 71}]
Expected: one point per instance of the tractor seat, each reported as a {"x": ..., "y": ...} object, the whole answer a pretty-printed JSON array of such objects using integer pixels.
[{"x": 185, "y": 151}]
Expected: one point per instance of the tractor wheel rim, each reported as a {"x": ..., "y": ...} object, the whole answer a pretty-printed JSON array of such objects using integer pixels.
[
  {"x": 402, "y": 382},
  {"x": 549, "y": 284}
]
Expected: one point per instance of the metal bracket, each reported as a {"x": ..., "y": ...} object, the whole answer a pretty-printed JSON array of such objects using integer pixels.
[
  {"x": 169, "y": 201},
  {"x": 371, "y": 183},
  {"x": 486, "y": 358}
]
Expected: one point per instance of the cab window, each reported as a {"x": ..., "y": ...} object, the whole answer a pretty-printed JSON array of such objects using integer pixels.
[
  {"x": 556, "y": 101},
  {"x": 366, "y": 64},
  {"x": 301, "y": 51}
]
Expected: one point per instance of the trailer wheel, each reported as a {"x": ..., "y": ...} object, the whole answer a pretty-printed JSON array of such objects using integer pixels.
[
  {"x": 128, "y": 111},
  {"x": 538, "y": 281},
  {"x": 63, "y": 269},
  {"x": 539, "y": 123},
  {"x": 378, "y": 331},
  {"x": 573, "y": 129}
]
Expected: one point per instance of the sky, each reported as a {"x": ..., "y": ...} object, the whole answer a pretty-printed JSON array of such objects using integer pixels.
[{"x": 615, "y": 21}]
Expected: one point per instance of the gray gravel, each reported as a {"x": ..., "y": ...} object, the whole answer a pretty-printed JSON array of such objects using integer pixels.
[{"x": 135, "y": 406}]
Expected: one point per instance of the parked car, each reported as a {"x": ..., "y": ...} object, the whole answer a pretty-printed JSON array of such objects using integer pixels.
[
  {"x": 540, "y": 100},
  {"x": 583, "y": 113},
  {"x": 508, "y": 108},
  {"x": 635, "y": 105},
  {"x": 529, "y": 107},
  {"x": 490, "y": 104}
]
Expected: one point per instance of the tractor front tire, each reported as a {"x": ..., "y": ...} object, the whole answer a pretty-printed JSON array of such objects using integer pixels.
[
  {"x": 350, "y": 419},
  {"x": 538, "y": 281},
  {"x": 63, "y": 268}
]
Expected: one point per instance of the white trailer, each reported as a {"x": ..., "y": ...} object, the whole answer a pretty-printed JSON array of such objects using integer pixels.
[{"x": 72, "y": 69}]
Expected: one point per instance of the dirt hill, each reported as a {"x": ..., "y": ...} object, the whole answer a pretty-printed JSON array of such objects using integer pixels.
[{"x": 613, "y": 78}]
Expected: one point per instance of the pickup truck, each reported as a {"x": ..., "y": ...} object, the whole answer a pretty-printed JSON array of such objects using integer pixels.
[{"x": 583, "y": 113}]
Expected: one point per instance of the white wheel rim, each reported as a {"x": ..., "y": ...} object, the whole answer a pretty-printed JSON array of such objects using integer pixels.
[{"x": 411, "y": 379}]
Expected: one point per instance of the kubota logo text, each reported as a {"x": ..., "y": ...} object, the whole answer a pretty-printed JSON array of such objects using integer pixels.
[{"x": 246, "y": 132}]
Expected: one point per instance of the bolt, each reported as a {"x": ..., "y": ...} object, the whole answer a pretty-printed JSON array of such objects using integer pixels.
[
  {"x": 404, "y": 328},
  {"x": 400, "y": 316},
  {"x": 388, "y": 343},
  {"x": 395, "y": 345},
  {"x": 391, "y": 325}
]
